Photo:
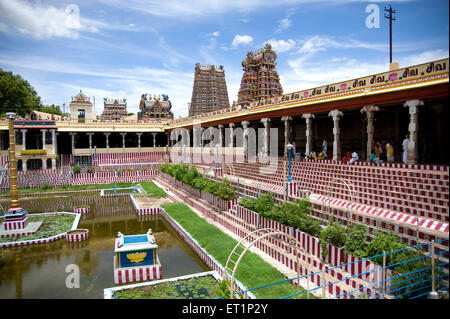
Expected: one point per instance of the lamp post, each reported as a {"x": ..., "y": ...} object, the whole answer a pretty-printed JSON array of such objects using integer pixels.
[
  {"x": 289, "y": 148},
  {"x": 12, "y": 165}
]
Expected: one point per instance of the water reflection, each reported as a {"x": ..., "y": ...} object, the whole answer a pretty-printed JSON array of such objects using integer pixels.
[{"x": 39, "y": 271}]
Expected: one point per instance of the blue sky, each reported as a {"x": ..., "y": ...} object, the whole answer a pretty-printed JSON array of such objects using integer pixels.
[{"x": 123, "y": 48}]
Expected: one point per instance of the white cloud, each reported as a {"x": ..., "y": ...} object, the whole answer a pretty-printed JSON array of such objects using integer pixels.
[
  {"x": 42, "y": 21},
  {"x": 283, "y": 24},
  {"x": 281, "y": 45},
  {"x": 241, "y": 39}
]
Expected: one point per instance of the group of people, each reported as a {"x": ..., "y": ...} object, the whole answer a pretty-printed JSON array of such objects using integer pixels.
[{"x": 381, "y": 152}]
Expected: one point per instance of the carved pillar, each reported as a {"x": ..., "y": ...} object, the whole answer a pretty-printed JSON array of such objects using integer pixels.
[
  {"x": 336, "y": 114},
  {"x": 287, "y": 132},
  {"x": 24, "y": 139},
  {"x": 139, "y": 141},
  {"x": 123, "y": 141},
  {"x": 245, "y": 137},
  {"x": 266, "y": 122},
  {"x": 73, "y": 142},
  {"x": 53, "y": 143},
  {"x": 369, "y": 110},
  {"x": 231, "y": 125},
  {"x": 220, "y": 135},
  {"x": 107, "y": 141},
  {"x": 154, "y": 141},
  {"x": 413, "y": 129},
  {"x": 308, "y": 117},
  {"x": 43, "y": 139},
  {"x": 90, "y": 142}
]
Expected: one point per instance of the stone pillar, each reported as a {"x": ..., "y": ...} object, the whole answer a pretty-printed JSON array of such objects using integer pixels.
[
  {"x": 123, "y": 141},
  {"x": 44, "y": 164},
  {"x": 90, "y": 142},
  {"x": 413, "y": 129},
  {"x": 73, "y": 142},
  {"x": 53, "y": 142},
  {"x": 308, "y": 117},
  {"x": 287, "y": 132},
  {"x": 24, "y": 165},
  {"x": 53, "y": 163},
  {"x": 168, "y": 139},
  {"x": 266, "y": 122},
  {"x": 43, "y": 139},
  {"x": 369, "y": 110},
  {"x": 211, "y": 137},
  {"x": 139, "y": 141},
  {"x": 231, "y": 125},
  {"x": 336, "y": 114},
  {"x": 154, "y": 141},
  {"x": 220, "y": 135},
  {"x": 24, "y": 139},
  {"x": 245, "y": 137},
  {"x": 107, "y": 141}
]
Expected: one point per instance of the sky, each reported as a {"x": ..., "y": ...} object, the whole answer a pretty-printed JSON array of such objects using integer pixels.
[{"x": 125, "y": 48}]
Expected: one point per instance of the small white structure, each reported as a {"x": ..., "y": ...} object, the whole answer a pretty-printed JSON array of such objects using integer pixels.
[{"x": 81, "y": 109}]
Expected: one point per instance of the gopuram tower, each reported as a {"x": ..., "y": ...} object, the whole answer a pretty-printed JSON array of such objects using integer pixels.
[
  {"x": 210, "y": 89},
  {"x": 260, "y": 79}
]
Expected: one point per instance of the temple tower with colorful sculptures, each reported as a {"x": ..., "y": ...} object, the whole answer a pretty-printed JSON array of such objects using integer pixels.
[
  {"x": 209, "y": 92},
  {"x": 260, "y": 79},
  {"x": 155, "y": 108},
  {"x": 114, "y": 109}
]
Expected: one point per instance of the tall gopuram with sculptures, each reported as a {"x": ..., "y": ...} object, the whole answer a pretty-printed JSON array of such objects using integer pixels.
[
  {"x": 156, "y": 108},
  {"x": 210, "y": 89},
  {"x": 114, "y": 109},
  {"x": 260, "y": 79}
]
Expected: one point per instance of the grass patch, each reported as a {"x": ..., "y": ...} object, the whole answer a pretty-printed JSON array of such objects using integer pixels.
[
  {"x": 51, "y": 225},
  {"x": 153, "y": 190},
  {"x": 193, "y": 288},
  {"x": 253, "y": 271}
]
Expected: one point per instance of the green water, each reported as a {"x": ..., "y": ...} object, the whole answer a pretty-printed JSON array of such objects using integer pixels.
[{"x": 39, "y": 271}]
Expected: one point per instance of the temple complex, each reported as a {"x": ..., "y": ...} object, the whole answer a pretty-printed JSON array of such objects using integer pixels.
[
  {"x": 210, "y": 90},
  {"x": 155, "y": 108},
  {"x": 260, "y": 79},
  {"x": 114, "y": 109},
  {"x": 388, "y": 106}
]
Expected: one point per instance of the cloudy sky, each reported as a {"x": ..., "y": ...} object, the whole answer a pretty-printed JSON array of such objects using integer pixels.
[{"x": 123, "y": 48}]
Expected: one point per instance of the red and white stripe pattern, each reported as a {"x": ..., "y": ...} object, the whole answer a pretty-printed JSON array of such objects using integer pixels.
[
  {"x": 218, "y": 172},
  {"x": 73, "y": 238},
  {"x": 292, "y": 188},
  {"x": 81, "y": 209},
  {"x": 15, "y": 225},
  {"x": 272, "y": 187},
  {"x": 395, "y": 216},
  {"x": 137, "y": 274},
  {"x": 124, "y": 158},
  {"x": 34, "y": 241}
]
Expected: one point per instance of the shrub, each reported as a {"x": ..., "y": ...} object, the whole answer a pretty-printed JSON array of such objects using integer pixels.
[
  {"x": 46, "y": 186},
  {"x": 90, "y": 170},
  {"x": 355, "y": 241},
  {"x": 248, "y": 203},
  {"x": 264, "y": 203},
  {"x": 76, "y": 169}
]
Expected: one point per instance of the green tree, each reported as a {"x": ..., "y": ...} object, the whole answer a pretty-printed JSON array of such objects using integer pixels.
[
  {"x": 17, "y": 95},
  {"x": 52, "y": 109}
]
